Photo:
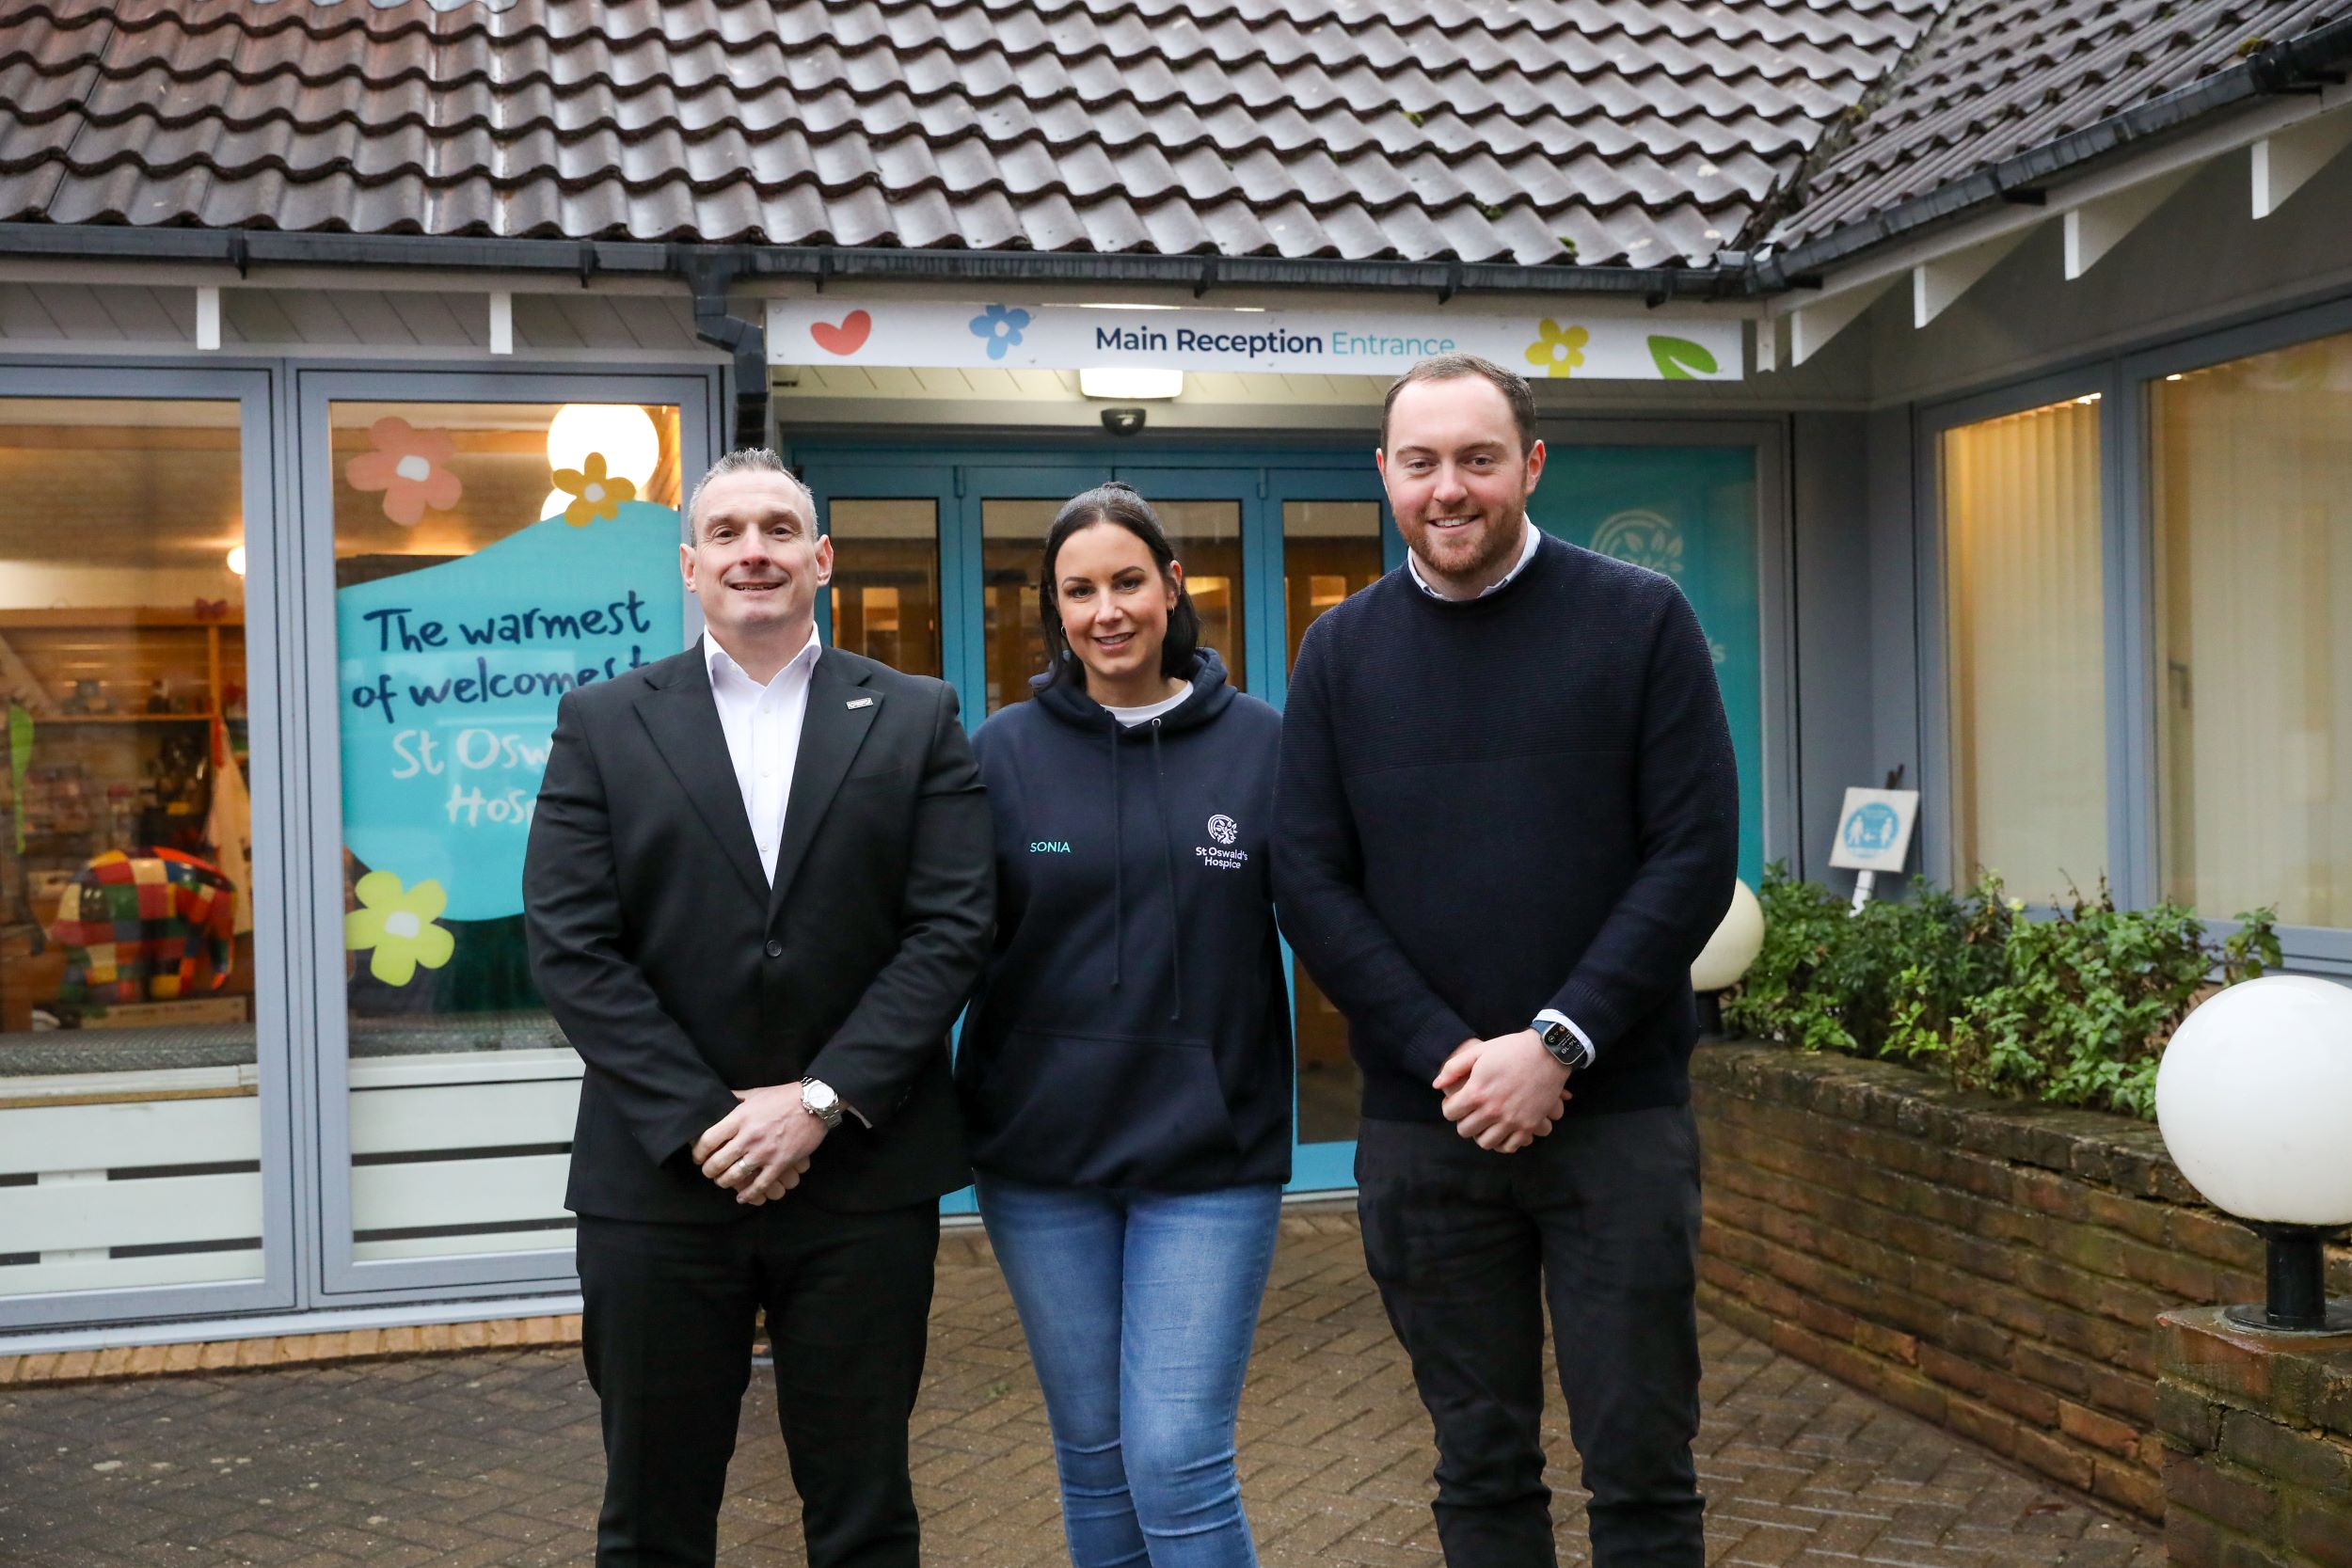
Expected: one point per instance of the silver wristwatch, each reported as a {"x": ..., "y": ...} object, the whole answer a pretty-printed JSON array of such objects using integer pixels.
[
  {"x": 1566, "y": 1048},
  {"x": 818, "y": 1100}
]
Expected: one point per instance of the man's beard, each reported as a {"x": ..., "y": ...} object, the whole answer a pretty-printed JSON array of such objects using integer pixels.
[{"x": 1498, "y": 541}]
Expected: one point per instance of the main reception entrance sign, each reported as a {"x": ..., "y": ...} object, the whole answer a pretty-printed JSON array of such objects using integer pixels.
[{"x": 1556, "y": 343}]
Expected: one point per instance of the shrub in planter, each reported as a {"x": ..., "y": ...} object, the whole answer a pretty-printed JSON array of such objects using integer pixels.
[{"x": 2072, "y": 1006}]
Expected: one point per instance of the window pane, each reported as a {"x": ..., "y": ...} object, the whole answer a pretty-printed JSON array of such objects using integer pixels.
[
  {"x": 130, "y": 1133},
  {"x": 1206, "y": 537},
  {"x": 2020, "y": 517},
  {"x": 885, "y": 582},
  {"x": 488, "y": 557},
  {"x": 2253, "y": 497},
  {"x": 1329, "y": 550},
  {"x": 1012, "y": 543}
]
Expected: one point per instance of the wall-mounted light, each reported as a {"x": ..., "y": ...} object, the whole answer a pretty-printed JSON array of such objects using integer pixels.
[
  {"x": 1130, "y": 384},
  {"x": 236, "y": 558}
]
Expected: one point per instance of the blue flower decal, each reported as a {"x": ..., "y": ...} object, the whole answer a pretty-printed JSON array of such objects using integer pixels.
[{"x": 1001, "y": 327}]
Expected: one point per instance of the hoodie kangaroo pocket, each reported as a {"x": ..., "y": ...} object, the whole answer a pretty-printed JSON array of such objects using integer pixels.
[{"x": 1101, "y": 1110}]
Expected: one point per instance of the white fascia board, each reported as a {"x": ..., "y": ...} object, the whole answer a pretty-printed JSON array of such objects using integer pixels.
[
  {"x": 161, "y": 274},
  {"x": 1934, "y": 285},
  {"x": 2285, "y": 161},
  {"x": 1815, "y": 322},
  {"x": 2095, "y": 226}
]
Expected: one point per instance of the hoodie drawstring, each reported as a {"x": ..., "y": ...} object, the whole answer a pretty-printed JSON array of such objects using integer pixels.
[
  {"x": 1168, "y": 864},
  {"x": 1118, "y": 865}
]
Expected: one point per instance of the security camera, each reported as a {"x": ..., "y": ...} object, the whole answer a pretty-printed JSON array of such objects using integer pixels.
[{"x": 1123, "y": 422}]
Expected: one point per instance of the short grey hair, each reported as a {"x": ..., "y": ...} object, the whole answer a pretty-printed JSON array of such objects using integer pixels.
[{"x": 749, "y": 460}]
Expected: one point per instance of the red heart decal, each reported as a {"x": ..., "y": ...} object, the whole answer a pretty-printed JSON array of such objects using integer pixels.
[{"x": 847, "y": 338}]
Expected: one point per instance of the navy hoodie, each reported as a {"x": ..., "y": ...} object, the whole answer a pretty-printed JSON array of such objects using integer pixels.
[{"x": 1132, "y": 1029}]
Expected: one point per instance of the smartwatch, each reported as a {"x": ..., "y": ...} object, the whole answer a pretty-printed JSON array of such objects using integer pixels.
[
  {"x": 1566, "y": 1048},
  {"x": 818, "y": 1100}
]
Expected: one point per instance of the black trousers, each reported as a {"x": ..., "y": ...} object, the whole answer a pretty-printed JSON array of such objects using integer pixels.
[
  {"x": 666, "y": 1331},
  {"x": 1600, "y": 1220}
]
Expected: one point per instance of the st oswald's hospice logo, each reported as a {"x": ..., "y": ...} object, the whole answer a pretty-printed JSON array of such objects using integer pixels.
[{"x": 1218, "y": 858}]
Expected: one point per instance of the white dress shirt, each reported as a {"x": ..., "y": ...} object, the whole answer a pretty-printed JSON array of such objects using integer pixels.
[
  {"x": 763, "y": 729},
  {"x": 1530, "y": 538}
]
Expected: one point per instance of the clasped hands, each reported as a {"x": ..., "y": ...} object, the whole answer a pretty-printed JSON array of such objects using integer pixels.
[
  {"x": 1505, "y": 1093},
  {"x": 761, "y": 1148}
]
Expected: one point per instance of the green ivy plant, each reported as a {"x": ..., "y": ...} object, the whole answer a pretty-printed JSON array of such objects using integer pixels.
[{"x": 2072, "y": 1006}]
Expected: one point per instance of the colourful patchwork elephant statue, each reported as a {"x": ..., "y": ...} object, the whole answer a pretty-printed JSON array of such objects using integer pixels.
[{"x": 139, "y": 928}]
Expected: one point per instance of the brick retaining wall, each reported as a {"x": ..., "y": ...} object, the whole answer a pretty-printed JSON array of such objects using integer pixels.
[
  {"x": 1993, "y": 1266},
  {"x": 2259, "y": 1429}
]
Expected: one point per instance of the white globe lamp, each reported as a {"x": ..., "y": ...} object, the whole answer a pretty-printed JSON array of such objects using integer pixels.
[
  {"x": 1737, "y": 939},
  {"x": 2255, "y": 1098}
]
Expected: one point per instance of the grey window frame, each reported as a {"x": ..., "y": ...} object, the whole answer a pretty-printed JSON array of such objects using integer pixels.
[
  {"x": 2122, "y": 642},
  {"x": 2310, "y": 949},
  {"x": 272, "y": 642},
  {"x": 697, "y": 392},
  {"x": 2127, "y": 545}
]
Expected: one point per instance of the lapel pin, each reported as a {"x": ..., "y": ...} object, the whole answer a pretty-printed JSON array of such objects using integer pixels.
[{"x": 861, "y": 701}]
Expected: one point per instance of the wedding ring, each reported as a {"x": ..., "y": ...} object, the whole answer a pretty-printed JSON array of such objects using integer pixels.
[{"x": 745, "y": 1166}]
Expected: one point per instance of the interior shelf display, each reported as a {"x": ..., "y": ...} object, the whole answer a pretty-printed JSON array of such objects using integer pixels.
[{"x": 114, "y": 717}]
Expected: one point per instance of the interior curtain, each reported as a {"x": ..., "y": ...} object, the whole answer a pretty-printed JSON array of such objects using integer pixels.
[
  {"x": 2253, "y": 490},
  {"x": 2027, "y": 649}
]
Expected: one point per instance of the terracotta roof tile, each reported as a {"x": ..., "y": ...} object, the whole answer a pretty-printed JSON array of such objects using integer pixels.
[{"x": 1485, "y": 129}]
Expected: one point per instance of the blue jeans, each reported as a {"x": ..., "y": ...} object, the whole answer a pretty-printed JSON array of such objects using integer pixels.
[{"x": 1139, "y": 1308}]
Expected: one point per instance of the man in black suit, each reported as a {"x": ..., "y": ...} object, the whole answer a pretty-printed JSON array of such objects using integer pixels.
[{"x": 758, "y": 887}]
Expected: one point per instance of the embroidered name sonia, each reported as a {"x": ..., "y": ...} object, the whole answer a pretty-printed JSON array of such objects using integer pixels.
[{"x": 1050, "y": 847}]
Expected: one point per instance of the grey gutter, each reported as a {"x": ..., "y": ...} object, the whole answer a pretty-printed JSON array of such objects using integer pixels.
[
  {"x": 2300, "y": 65},
  {"x": 245, "y": 248}
]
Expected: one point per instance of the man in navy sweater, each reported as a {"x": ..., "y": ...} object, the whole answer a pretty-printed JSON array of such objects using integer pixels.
[{"x": 1508, "y": 820}]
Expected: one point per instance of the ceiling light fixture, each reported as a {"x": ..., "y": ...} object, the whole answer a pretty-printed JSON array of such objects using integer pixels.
[{"x": 1128, "y": 383}]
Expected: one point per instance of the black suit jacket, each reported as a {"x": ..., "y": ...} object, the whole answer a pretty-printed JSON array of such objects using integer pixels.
[{"x": 679, "y": 975}]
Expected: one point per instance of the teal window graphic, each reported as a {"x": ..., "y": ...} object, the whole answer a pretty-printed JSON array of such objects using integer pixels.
[
  {"x": 448, "y": 682},
  {"x": 1690, "y": 512}
]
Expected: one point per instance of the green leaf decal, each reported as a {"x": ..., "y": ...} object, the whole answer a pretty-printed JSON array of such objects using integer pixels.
[{"x": 1680, "y": 359}]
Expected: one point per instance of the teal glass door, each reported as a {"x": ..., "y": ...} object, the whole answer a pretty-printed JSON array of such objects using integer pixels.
[{"x": 937, "y": 555}]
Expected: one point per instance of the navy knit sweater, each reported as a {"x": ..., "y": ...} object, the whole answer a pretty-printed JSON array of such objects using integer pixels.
[{"x": 1495, "y": 806}]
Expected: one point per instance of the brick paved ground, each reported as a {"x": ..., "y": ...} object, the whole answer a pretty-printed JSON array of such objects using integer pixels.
[{"x": 491, "y": 1457}]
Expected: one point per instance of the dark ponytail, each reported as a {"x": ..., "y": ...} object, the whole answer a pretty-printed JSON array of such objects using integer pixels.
[{"x": 1115, "y": 501}]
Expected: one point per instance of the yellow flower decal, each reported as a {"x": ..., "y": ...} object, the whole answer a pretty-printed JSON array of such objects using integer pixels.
[
  {"x": 397, "y": 923},
  {"x": 598, "y": 495},
  {"x": 1561, "y": 350}
]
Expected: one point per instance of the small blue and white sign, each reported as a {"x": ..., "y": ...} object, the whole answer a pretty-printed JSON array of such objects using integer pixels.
[{"x": 1874, "y": 830}]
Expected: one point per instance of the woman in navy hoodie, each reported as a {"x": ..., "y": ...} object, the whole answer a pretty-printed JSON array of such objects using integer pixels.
[{"x": 1125, "y": 1065}]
